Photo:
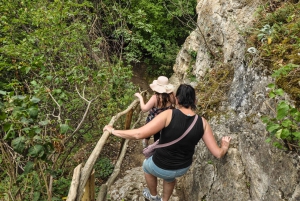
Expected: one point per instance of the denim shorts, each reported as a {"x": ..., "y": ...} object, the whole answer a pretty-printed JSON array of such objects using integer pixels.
[{"x": 168, "y": 175}]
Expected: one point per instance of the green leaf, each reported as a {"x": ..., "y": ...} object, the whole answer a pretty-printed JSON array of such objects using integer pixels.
[
  {"x": 286, "y": 123},
  {"x": 7, "y": 127},
  {"x": 36, "y": 151},
  {"x": 295, "y": 114},
  {"x": 18, "y": 144},
  {"x": 279, "y": 92},
  {"x": 296, "y": 134},
  {"x": 35, "y": 100},
  {"x": 44, "y": 123},
  {"x": 285, "y": 134},
  {"x": 278, "y": 133},
  {"x": 64, "y": 128},
  {"x": 33, "y": 112},
  {"x": 268, "y": 140},
  {"x": 19, "y": 97},
  {"x": 36, "y": 196},
  {"x": 272, "y": 94},
  {"x": 58, "y": 91},
  {"x": 265, "y": 119},
  {"x": 3, "y": 115},
  {"x": 28, "y": 167},
  {"x": 271, "y": 86},
  {"x": 34, "y": 83},
  {"x": 282, "y": 110},
  {"x": 272, "y": 127},
  {"x": 30, "y": 132},
  {"x": 25, "y": 121},
  {"x": 2, "y": 92},
  {"x": 278, "y": 145},
  {"x": 49, "y": 77},
  {"x": 9, "y": 135},
  {"x": 37, "y": 138},
  {"x": 27, "y": 69},
  {"x": 37, "y": 130}
]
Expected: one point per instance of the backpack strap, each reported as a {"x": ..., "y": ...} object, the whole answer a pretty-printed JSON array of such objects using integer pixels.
[{"x": 182, "y": 136}]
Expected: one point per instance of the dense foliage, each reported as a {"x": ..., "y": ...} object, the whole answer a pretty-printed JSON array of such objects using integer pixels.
[
  {"x": 65, "y": 69},
  {"x": 146, "y": 31},
  {"x": 276, "y": 40}
]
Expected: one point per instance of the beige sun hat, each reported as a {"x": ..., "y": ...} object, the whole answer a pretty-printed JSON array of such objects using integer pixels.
[{"x": 161, "y": 85}]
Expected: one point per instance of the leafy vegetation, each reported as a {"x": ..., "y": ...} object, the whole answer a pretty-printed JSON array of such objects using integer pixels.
[
  {"x": 285, "y": 126},
  {"x": 147, "y": 31},
  {"x": 53, "y": 91},
  {"x": 65, "y": 69},
  {"x": 104, "y": 168},
  {"x": 277, "y": 41}
]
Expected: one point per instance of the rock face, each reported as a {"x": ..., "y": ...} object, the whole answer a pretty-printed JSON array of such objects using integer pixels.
[{"x": 252, "y": 170}]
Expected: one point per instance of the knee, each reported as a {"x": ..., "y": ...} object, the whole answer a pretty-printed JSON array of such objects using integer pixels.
[{"x": 170, "y": 182}]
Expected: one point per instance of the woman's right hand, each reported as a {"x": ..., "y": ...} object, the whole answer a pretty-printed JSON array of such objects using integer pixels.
[{"x": 138, "y": 95}]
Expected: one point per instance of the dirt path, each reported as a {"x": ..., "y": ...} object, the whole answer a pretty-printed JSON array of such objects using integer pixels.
[
  {"x": 139, "y": 77},
  {"x": 133, "y": 157}
]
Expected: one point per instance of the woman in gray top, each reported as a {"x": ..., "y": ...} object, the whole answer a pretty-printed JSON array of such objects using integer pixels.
[{"x": 173, "y": 161}]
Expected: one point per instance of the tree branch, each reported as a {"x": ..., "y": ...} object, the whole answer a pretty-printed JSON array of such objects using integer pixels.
[
  {"x": 84, "y": 115},
  {"x": 59, "y": 107},
  {"x": 189, "y": 19}
]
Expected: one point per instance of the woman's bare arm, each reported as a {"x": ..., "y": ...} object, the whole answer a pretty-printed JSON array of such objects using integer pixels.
[
  {"x": 154, "y": 126},
  {"x": 211, "y": 143},
  {"x": 150, "y": 104}
]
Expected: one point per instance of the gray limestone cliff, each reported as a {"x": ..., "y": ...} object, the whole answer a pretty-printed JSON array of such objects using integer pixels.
[{"x": 252, "y": 170}]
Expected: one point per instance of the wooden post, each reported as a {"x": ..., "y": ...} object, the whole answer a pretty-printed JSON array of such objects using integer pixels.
[
  {"x": 128, "y": 119},
  {"x": 88, "y": 167},
  {"x": 74, "y": 184},
  {"x": 102, "y": 193},
  {"x": 89, "y": 189},
  {"x": 113, "y": 176},
  {"x": 127, "y": 125}
]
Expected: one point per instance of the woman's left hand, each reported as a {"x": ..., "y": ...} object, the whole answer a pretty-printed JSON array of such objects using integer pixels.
[{"x": 108, "y": 128}]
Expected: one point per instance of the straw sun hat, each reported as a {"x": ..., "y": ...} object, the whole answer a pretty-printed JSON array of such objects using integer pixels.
[{"x": 161, "y": 85}]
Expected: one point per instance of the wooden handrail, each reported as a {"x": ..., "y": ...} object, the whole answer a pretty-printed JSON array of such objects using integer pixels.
[
  {"x": 103, "y": 189},
  {"x": 76, "y": 192}
]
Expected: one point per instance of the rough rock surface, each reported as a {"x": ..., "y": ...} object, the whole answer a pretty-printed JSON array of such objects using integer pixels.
[
  {"x": 252, "y": 170},
  {"x": 130, "y": 187}
]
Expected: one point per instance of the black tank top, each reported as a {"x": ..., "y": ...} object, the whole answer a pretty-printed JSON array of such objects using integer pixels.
[{"x": 180, "y": 154}]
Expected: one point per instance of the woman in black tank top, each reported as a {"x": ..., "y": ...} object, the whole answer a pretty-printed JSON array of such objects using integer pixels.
[{"x": 175, "y": 159}]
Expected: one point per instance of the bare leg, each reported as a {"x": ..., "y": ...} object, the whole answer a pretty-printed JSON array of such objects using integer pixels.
[
  {"x": 168, "y": 188},
  {"x": 151, "y": 183}
]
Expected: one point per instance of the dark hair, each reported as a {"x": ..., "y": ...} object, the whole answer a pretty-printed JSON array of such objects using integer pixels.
[
  {"x": 186, "y": 96},
  {"x": 165, "y": 98}
]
